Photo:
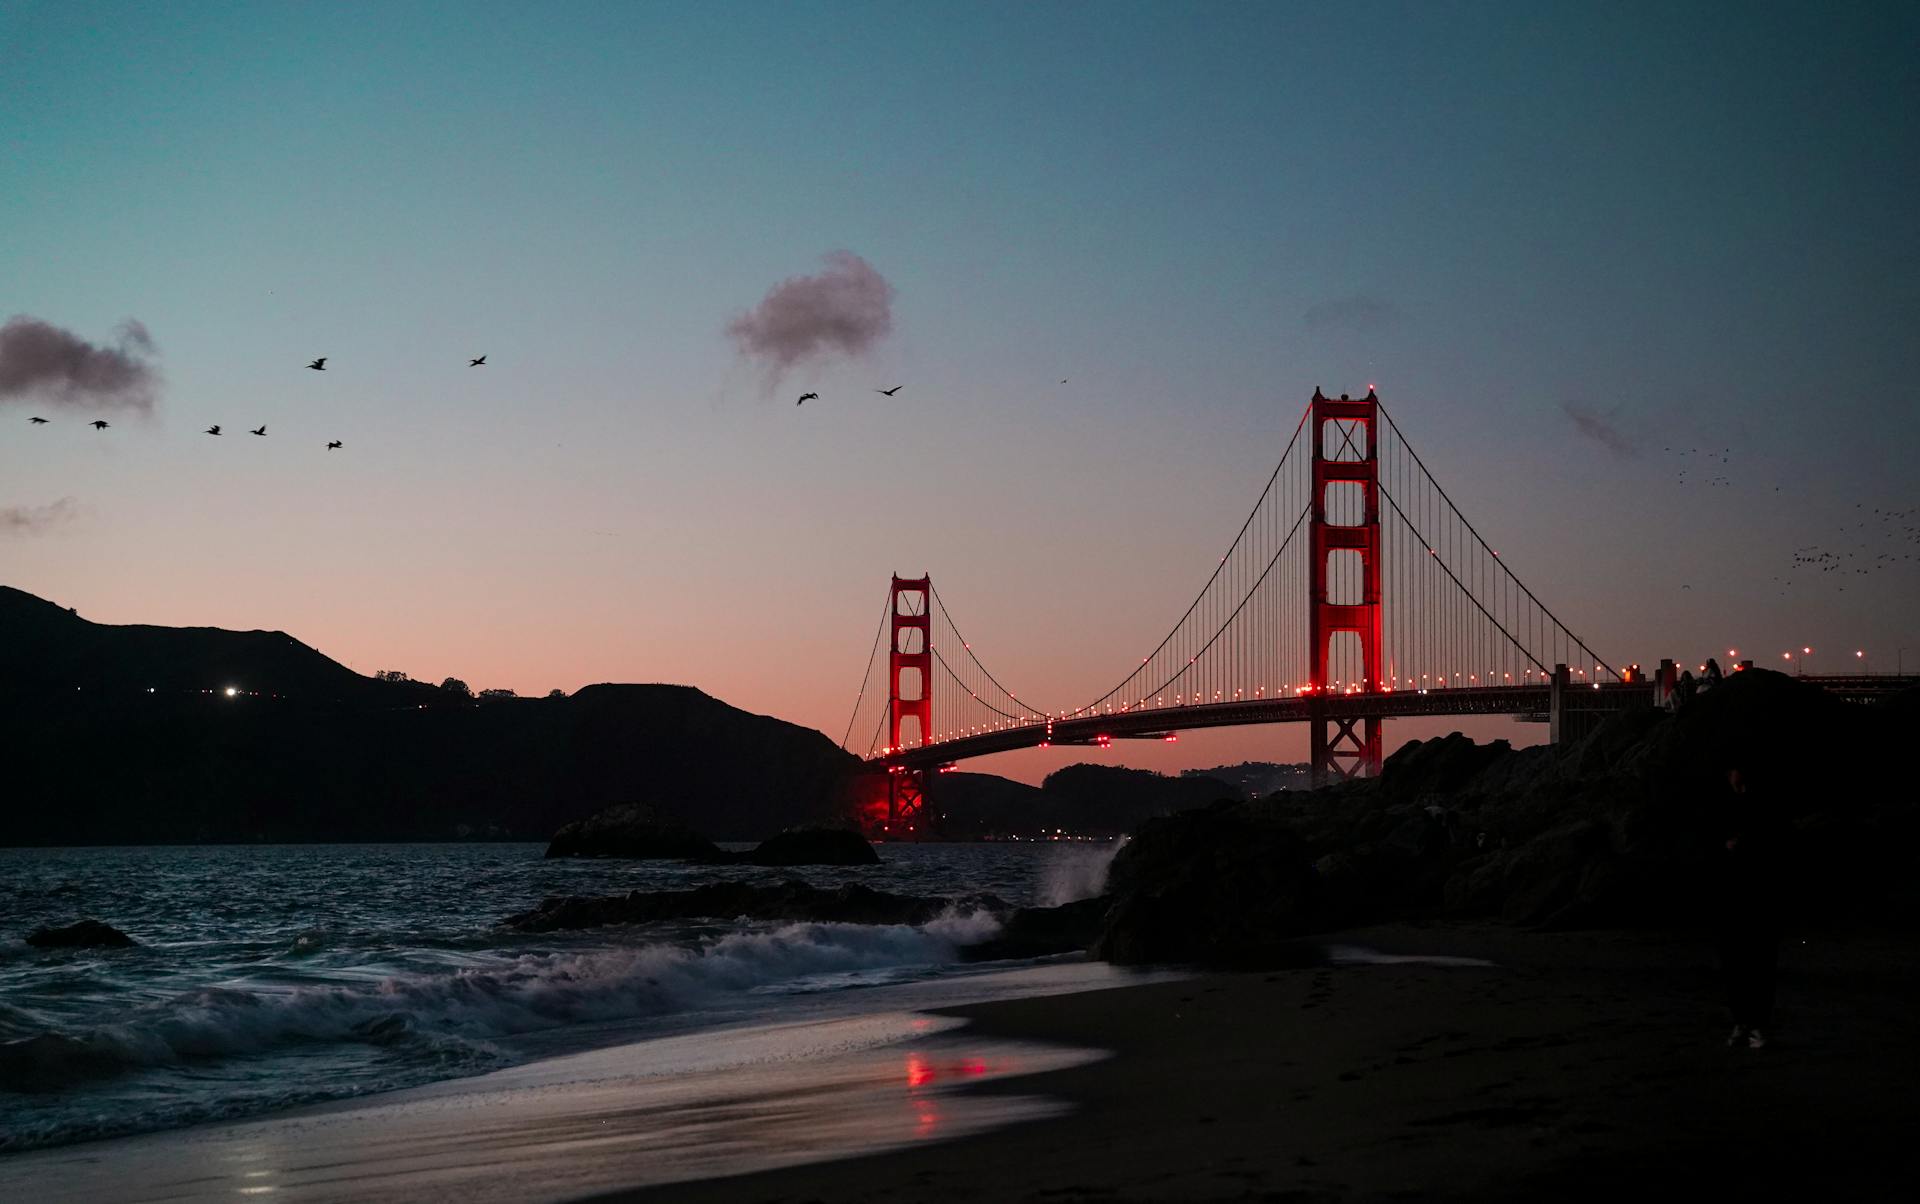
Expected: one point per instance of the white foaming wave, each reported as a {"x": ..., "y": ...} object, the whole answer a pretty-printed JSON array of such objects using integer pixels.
[
  {"x": 958, "y": 927},
  {"x": 1076, "y": 872},
  {"x": 454, "y": 1017}
]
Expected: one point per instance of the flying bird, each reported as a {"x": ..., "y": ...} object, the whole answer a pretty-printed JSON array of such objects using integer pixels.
[
  {"x": 889, "y": 392},
  {"x": 806, "y": 397},
  {"x": 319, "y": 365},
  {"x": 37, "y": 420},
  {"x": 100, "y": 424},
  {"x": 214, "y": 429},
  {"x": 259, "y": 430},
  {"x": 479, "y": 363},
  {"x": 333, "y": 445}
]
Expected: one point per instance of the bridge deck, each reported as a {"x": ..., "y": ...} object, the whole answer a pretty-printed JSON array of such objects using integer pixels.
[
  {"x": 1145, "y": 723},
  {"x": 1148, "y": 722}
]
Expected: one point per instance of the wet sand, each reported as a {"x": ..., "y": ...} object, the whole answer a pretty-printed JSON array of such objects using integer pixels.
[
  {"x": 1575, "y": 1066},
  {"x": 1582, "y": 1066}
]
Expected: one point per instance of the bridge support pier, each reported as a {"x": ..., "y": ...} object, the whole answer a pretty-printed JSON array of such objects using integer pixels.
[
  {"x": 1343, "y": 748},
  {"x": 1351, "y": 748},
  {"x": 909, "y": 696},
  {"x": 906, "y": 802}
]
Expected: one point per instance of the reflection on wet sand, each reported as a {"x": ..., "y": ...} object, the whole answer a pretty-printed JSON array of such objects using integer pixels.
[{"x": 681, "y": 1108}]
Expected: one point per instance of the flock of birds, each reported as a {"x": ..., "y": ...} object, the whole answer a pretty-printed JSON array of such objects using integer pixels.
[
  {"x": 807, "y": 397},
  {"x": 318, "y": 365},
  {"x": 1725, "y": 457},
  {"x": 1875, "y": 529},
  {"x": 1867, "y": 555}
]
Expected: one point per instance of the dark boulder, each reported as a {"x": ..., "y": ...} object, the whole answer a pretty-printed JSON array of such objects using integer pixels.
[
  {"x": 791, "y": 900},
  {"x": 633, "y": 831},
  {"x": 1223, "y": 886},
  {"x": 87, "y": 934},
  {"x": 1044, "y": 931},
  {"x": 814, "y": 846},
  {"x": 52, "y": 1062}
]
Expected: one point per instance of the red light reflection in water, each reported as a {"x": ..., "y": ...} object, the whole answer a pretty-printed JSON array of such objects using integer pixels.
[{"x": 923, "y": 1073}]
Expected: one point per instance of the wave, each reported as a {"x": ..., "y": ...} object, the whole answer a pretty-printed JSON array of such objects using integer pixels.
[
  {"x": 1077, "y": 873},
  {"x": 451, "y": 1020}
]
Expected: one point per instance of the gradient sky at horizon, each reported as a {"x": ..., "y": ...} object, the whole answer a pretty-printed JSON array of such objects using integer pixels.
[{"x": 1697, "y": 225}]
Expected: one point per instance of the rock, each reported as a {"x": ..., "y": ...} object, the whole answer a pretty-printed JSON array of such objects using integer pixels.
[
  {"x": 633, "y": 831},
  {"x": 1044, "y": 931},
  {"x": 87, "y": 934},
  {"x": 1223, "y": 886},
  {"x": 814, "y": 846},
  {"x": 791, "y": 900},
  {"x": 1420, "y": 768},
  {"x": 1624, "y": 827},
  {"x": 52, "y": 1062}
]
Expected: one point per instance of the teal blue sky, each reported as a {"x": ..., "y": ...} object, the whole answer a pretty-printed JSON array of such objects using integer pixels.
[{"x": 1693, "y": 221}]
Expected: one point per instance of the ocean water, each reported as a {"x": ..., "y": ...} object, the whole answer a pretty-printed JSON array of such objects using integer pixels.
[{"x": 268, "y": 977}]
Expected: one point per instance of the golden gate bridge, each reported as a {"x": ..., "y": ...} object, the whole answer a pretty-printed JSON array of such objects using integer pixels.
[{"x": 1355, "y": 591}]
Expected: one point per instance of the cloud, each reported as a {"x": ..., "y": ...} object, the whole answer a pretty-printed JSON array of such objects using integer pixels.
[
  {"x": 33, "y": 520},
  {"x": 844, "y": 310},
  {"x": 1603, "y": 429},
  {"x": 39, "y": 360},
  {"x": 1367, "y": 315}
]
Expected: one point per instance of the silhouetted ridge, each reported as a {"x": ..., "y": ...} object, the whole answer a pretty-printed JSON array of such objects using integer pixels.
[
  {"x": 311, "y": 751},
  {"x": 49, "y": 647}
]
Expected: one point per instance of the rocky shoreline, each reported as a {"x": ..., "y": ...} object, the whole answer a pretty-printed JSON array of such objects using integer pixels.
[{"x": 1618, "y": 830}]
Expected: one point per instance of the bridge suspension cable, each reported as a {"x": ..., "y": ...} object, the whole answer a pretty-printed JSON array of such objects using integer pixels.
[
  {"x": 866, "y": 678},
  {"x": 1452, "y": 614}
]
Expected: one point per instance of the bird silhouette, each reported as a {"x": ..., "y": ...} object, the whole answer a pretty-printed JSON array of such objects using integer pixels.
[
  {"x": 889, "y": 392},
  {"x": 331, "y": 446},
  {"x": 319, "y": 365},
  {"x": 806, "y": 397},
  {"x": 479, "y": 363},
  {"x": 214, "y": 429},
  {"x": 100, "y": 424},
  {"x": 259, "y": 430},
  {"x": 37, "y": 420}
]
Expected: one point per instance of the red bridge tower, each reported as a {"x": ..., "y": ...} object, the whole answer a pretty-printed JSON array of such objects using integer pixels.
[
  {"x": 1345, "y": 747},
  {"x": 909, "y": 697}
]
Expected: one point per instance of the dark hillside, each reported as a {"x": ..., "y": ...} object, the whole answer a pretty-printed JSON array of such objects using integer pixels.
[{"x": 150, "y": 748}]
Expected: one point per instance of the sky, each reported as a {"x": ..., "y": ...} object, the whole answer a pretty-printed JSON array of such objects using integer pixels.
[{"x": 1559, "y": 237}]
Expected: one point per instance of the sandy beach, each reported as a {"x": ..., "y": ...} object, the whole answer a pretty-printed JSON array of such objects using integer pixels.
[
  {"x": 1581, "y": 1066},
  {"x": 1456, "y": 1062}
]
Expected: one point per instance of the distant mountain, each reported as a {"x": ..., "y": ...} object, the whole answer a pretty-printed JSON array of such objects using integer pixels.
[
  {"x": 125, "y": 734},
  {"x": 48, "y": 647}
]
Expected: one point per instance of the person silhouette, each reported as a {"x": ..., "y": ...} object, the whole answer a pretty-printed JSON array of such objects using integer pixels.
[
  {"x": 1748, "y": 904},
  {"x": 1683, "y": 689}
]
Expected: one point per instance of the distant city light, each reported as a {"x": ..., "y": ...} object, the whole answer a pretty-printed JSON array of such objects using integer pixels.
[{"x": 231, "y": 691}]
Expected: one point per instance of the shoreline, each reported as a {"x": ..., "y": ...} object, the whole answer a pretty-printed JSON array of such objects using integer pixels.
[
  {"x": 840, "y": 1077},
  {"x": 1466, "y": 1062},
  {"x": 1579, "y": 1066}
]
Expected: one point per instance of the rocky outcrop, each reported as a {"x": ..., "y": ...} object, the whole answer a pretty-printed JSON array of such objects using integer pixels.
[
  {"x": 1222, "y": 886},
  {"x": 791, "y": 900},
  {"x": 633, "y": 831},
  {"x": 814, "y": 846},
  {"x": 85, "y": 934},
  {"x": 1043, "y": 932},
  {"x": 1622, "y": 828}
]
